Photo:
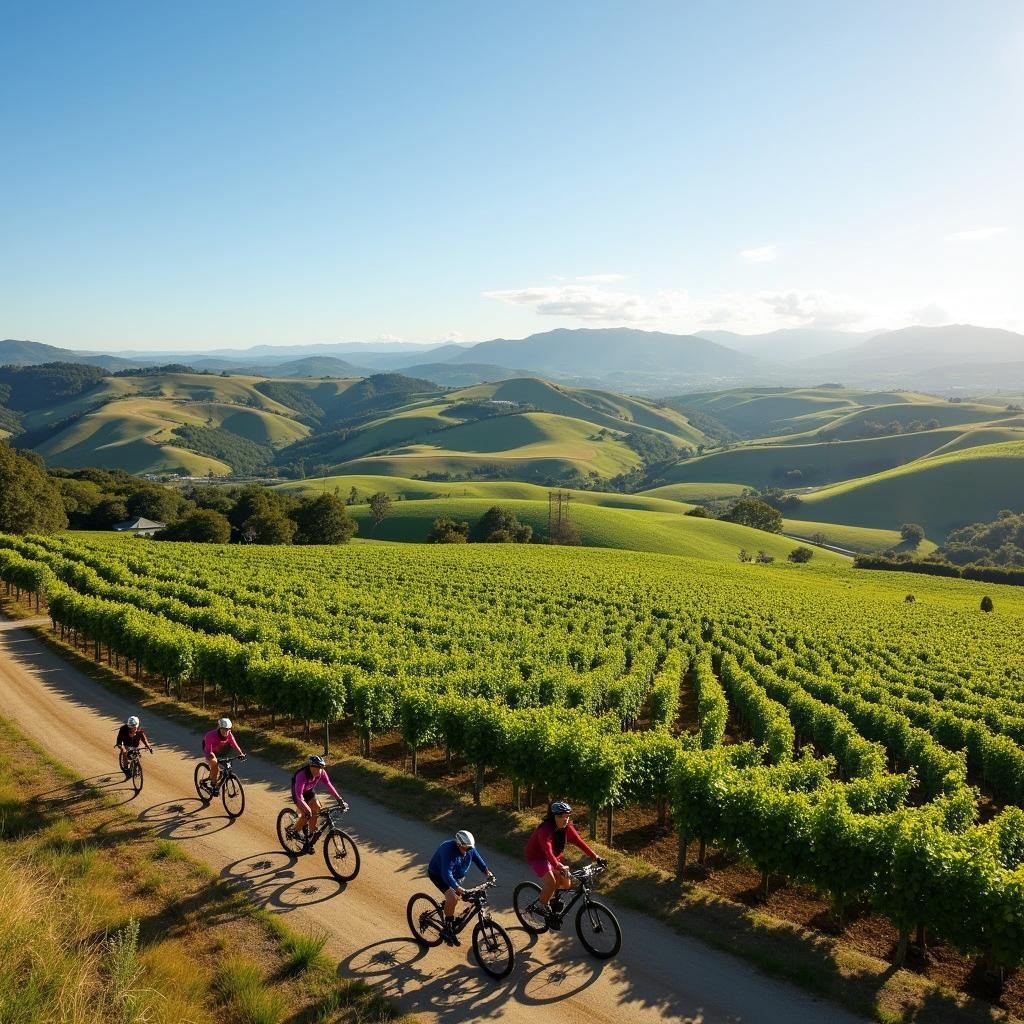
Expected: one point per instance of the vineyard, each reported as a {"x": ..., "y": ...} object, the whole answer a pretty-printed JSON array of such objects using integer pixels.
[{"x": 816, "y": 723}]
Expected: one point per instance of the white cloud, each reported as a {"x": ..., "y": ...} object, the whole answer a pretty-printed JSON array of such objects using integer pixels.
[
  {"x": 977, "y": 234},
  {"x": 581, "y": 301},
  {"x": 388, "y": 337},
  {"x": 762, "y": 254},
  {"x": 601, "y": 278},
  {"x": 931, "y": 315}
]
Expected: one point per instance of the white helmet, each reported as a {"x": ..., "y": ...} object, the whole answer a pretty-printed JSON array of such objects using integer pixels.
[
  {"x": 224, "y": 723},
  {"x": 465, "y": 838},
  {"x": 132, "y": 723}
]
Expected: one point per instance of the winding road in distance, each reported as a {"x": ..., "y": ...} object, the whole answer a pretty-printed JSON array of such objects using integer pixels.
[{"x": 658, "y": 976}]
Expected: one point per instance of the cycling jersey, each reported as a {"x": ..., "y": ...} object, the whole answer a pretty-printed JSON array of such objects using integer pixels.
[
  {"x": 213, "y": 742},
  {"x": 450, "y": 866},
  {"x": 546, "y": 845},
  {"x": 303, "y": 786},
  {"x": 126, "y": 739}
]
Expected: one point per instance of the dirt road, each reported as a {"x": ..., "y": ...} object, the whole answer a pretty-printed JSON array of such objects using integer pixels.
[{"x": 658, "y": 976}]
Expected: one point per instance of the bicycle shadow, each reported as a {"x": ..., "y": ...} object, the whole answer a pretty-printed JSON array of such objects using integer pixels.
[
  {"x": 178, "y": 819},
  {"x": 272, "y": 880}
]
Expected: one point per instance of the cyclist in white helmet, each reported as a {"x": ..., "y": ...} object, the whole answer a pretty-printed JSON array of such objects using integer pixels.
[
  {"x": 447, "y": 870},
  {"x": 131, "y": 734},
  {"x": 215, "y": 740}
]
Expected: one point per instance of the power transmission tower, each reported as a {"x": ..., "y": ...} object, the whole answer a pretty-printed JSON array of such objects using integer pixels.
[{"x": 558, "y": 512}]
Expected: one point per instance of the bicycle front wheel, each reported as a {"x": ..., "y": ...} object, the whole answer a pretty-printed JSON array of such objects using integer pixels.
[
  {"x": 493, "y": 949},
  {"x": 426, "y": 919},
  {"x": 525, "y": 902},
  {"x": 341, "y": 855},
  {"x": 122, "y": 760},
  {"x": 232, "y": 795},
  {"x": 286, "y": 820},
  {"x": 137, "y": 776},
  {"x": 598, "y": 930},
  {"x": 201, "y": 778}
]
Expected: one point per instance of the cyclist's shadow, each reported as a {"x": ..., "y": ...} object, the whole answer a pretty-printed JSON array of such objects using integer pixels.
[
  {"x": 272, "y": 879},
  {"x": 179, "y": 819}
]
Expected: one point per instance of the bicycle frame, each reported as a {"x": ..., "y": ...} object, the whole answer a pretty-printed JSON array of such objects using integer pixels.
[
  {"x": 476, "y": 905},
  {"x": 585, "y": 877}
]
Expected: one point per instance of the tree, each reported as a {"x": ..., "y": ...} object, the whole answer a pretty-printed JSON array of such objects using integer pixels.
[
  {"x": 204, "y": 525},
  {"x": 800, "y": 555},
  {"x": 755, "y": 513},
  {"x": 157, "y": 503},
  {"x": 448, "y": 531},
  {"x": 110, "y": 511},
  {"x": 764, "y": 558},
  {"x": 699, "y": 512},
  {"x": 912, "y": 534},
  {"x": 323, "y": 520},
  {"x": 30, "y": 501},
  {"x": 745, "y": 555},
  {"x": 353, "y": 497},
  {"x": 986, "y": 604},
  {"x": 269, "y": 527},
  {"x": 381, "y": 507},
  {"x": 501, "y": 526}
]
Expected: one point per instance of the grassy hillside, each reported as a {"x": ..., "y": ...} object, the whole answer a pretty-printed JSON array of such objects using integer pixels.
[
  {"x": 630, "y": 529},
  {"x": 696, "y": 492},
  {"x": 853, "y": 538},
  {"x": 940, "y": 493}
]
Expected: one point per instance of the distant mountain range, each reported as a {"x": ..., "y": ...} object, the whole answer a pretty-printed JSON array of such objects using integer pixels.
[{"x": 957, "y": 356}]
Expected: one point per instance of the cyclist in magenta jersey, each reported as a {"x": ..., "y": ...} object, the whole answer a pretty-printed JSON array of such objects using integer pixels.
[
  {"x": 304, "y": 783},
  {"x": 216, "y": 740}
]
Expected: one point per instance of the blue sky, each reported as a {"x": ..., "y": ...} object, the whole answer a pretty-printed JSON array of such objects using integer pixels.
[{"x": 228, "y": 174}]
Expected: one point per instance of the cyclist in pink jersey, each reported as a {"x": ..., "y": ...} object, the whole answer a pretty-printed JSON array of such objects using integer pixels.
[
  {"x": 214, "y": 741},
  {"x": 304, "y": 783}
]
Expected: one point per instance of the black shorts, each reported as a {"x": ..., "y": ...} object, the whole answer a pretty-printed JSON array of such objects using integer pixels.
[{"x": 441, "y": 885}]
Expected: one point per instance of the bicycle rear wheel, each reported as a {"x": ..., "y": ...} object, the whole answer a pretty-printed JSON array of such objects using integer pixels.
[
  {"x": 232, "y": 795},
  {"x": 285, "y": 820},
  {"x": 493, "y": 949},
  {"x": 201, "y": 777},
  {"x": 598, "y": 930},
  {"x": 525, "y": 903},
  {"x": 426, "y": 919},
  {"x": 137, "y": 776},
  {"x": 341, "y": 855}
]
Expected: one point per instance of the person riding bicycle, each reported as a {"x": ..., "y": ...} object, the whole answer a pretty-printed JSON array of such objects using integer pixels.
[
  {"x": 214, "y": 741},
  {"x": 304, "y": 782},
  {"x": 131, "y": 734},
  {"x": 545, "y": 848},
  {"x": 447, "y": 870}
]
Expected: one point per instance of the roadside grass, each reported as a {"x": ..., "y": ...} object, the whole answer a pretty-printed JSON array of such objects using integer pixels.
[
  {"x": 99, "y": 921},
  {"x": 819, "y": 963}
]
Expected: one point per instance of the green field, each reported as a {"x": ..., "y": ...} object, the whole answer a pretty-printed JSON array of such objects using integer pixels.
[{"x": 852, "y": 538}]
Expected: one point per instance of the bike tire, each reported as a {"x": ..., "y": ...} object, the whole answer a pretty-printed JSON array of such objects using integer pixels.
[
  {"x": 493, "y": 949},
  {"x": 341, "y": 855},
  {"x": 595, "y": 919},
  {"x": 426, "y": 919},
  {"x": 137, "y": 777},
  {"x": 232, "y": 796},
  {"x": 122, "y": 760},
  {"x": 199, "y": 776},
  {"x": 295, "y": 846},
  {"x": 524, "y": 898}
]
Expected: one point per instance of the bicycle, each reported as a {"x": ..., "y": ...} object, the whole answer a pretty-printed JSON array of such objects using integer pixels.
[
  {"x": 232, "y": 794},
  {"x": 492, "y": 947},
  {"x": 596, "y": 925},
  {"x": 131, "y": 764},
  {"x": 341, "y": 854}
]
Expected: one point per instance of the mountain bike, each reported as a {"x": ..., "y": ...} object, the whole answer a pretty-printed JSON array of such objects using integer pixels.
[
  {"x": 340, "y": 851},
  {"x": 596, "y": 925},
  {"x": 229, "y": 785},
  {"x": 131, "y": 765},
  {"x": 492, "y": 947}
]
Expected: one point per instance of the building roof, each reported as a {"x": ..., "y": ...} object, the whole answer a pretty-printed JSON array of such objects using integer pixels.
[{"x": 138, "y": 524}]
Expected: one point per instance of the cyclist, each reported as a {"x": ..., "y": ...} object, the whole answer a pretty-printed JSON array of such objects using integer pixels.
[
  {"x": 215, "y": 740},
  {"x": 545, "y": 848},
  {"x": 304, "y": 782},
  {"x": 131, "y": 734},
  {"x": 447, "y": 870}
]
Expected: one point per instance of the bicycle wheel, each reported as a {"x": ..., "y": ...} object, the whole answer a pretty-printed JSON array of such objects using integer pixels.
[
  {"x": 137, "y": 776},
  {"x": 426, "y": 919},
  {"x": 493, "y": 949},
  {"x": 201, "y": 777},
  {"x": 524, "y": 902},
  {"x": 122, "y": 760},
  {"x": 232, "y": 795},
  {"x": 598, "y": 930},
  {"x": 341, "y": 855},
  {"x": 286, "y": 819}
]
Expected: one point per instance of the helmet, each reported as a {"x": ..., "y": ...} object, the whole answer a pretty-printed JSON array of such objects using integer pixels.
[
  {"x": 132, "y": 723},
  {"x": 560, "y": 807},
  {"x": 465, "y": 838},
  {"x": 317, "y": 760},
  {"x": 224, "y": 723}
]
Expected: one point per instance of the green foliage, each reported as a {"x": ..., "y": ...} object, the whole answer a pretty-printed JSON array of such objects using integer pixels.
[
  {"x": 323, "y": 520},
  {"x": 986, "y": 604},
  {"x": 245, "y": 457},
  {"x": 46, "y": 385},
  {"x": 757, "y": 514},
  {"x": 204, "y": 525},
  {"x": 500, "y": 526},
  {"x": 800, "y": 555},
  {"x": 29, "y": 500},
  {"x": 912, "y": 533},
  {"x": 381, "y": 506},
  {"x": 448, "y": 531}
]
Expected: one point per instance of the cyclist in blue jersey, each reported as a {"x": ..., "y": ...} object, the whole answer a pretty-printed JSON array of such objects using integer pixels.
[{"x": 447, "y": 870}]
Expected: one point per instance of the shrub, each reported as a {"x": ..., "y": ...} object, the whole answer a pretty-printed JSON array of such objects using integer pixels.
[
  {"x": 745, "y": 556},
  {"x": 912, "y": 533},
  {"x": 986, "y": 604},
  {"x": 448, "y": 531},
  {"x": 764, "y": 558},
  {"x": 800, "y": 555}
]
